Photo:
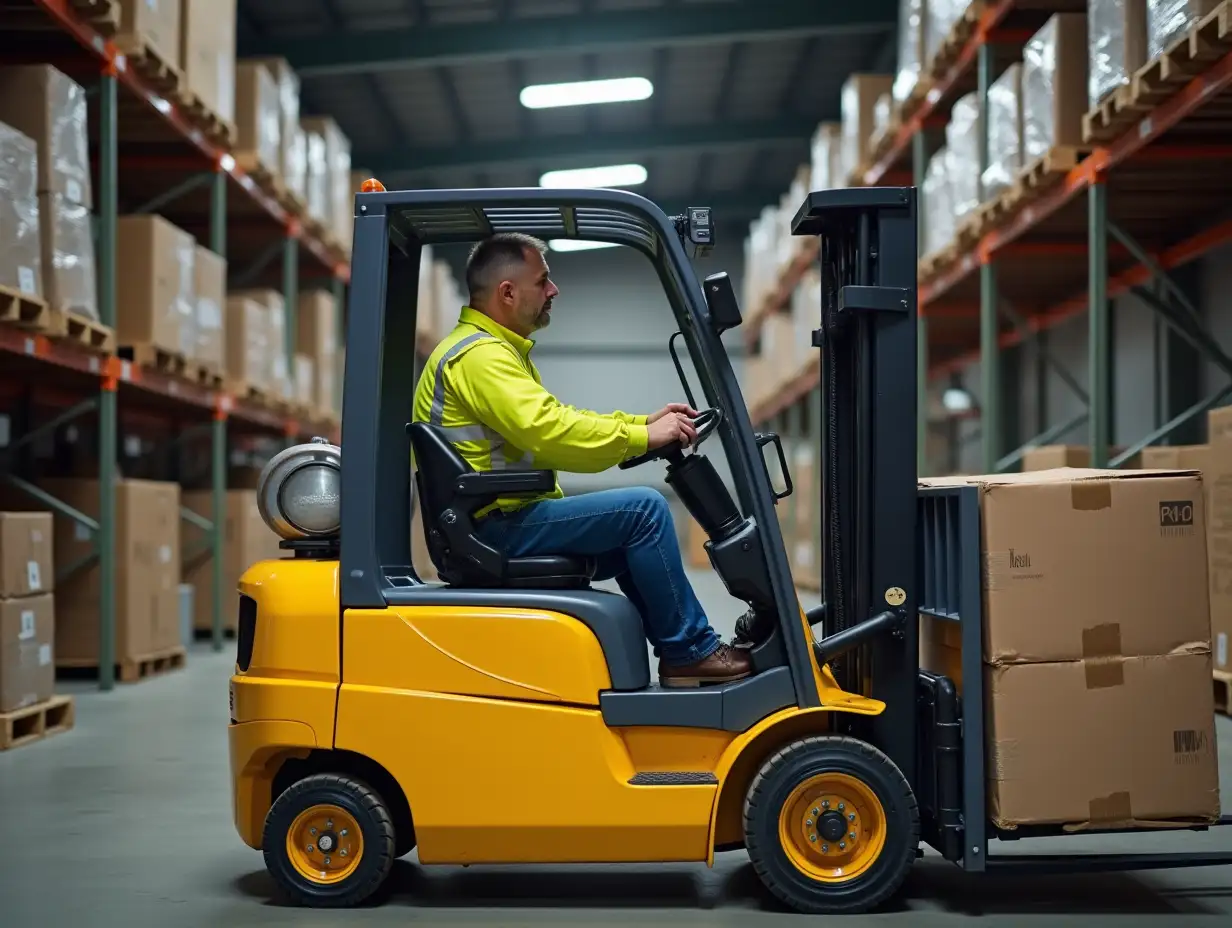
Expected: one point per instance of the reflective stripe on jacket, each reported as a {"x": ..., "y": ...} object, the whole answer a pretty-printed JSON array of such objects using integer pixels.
[{"x": 482, "y": 388}]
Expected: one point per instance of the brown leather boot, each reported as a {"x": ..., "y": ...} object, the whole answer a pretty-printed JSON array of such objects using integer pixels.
[{"x": 723, "y": 666}]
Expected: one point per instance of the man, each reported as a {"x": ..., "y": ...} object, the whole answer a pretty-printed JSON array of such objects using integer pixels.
[{"x": 481, "y": 386}]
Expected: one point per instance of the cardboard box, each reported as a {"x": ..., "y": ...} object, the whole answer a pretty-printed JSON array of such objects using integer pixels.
[
  {"x": 305, "y": 380},
  {"x": 859, "y": 97},
  {"x": 258, "y": 117},
  {"x": 26, "y": 560},
  {"x": 49, "y": 107},
  {"x": 316, "y": 194},
  {"x": 1054, "y": 85},
  {"x": 1117, "y": 30},
  {"x": 316, "y": 334},
  {"x": 20, "y": 256},
  {"x": 1219, "y": 483},
  {"x": 151, "y": 24},
  {"x": 1095, "y": 619},
  {"x": 67, "y": 256},
  {"x": 147, "y": 545},
  {"x": 279, "y": 379},
  {"x": 155, "y": 280},
  {"x": 209, "y": 323},
  {"x": 287, "y": 84},
  {"x": 1167, "y": 21},
  {"x": 207, "y": 50},
  {"x": 247, "y": 333},
  {"x": 27, "y": 651},
  {"x": 338, "y": 211},
  {"x": 1047, "y": 457},
  {"x": 1103, "y": 745},
  {"x": 246, "y": 540}
]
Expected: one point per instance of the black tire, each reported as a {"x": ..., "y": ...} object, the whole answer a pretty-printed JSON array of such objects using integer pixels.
[
  {"x": 773, "y": 787},
  {"x": 369, "y": 812}
]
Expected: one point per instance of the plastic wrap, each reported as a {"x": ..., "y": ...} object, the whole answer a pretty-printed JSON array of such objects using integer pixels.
[
  {"x": 20, "y": 255},
  {"x": 1004, "y": 132},
  {"x": 882, "y": 110},
  {"x": 280, "y": 375},
  {"x": 68, "y": 258},
  {"x": 305, "y": 380},
  {"x": 258, "y": 119},
  {"x": 288, "y": 90},
  {"x": 859, "y": 96},
  {"x": 185, "y": 305},
  {"x": 1168, "y": 20},
  {"x": 1038, "y": 70},
  {"x": 1117, "y": 30},
  {"x": 248, "y": 341},
  {"x": 911, "y": 29},
  {"x": 50, "y": 108},
  {"x": 210, "y": 271},
  {"x": 826, "y": 141},
  {"x": 317, "y": 196},
  {"x": 938, "y": 203},
  {"x": 962, "y": 139},
  {"x": 208, "y": 30},
  {"x": 942, "y": 14},
  {"x": 296, "y": 175}
]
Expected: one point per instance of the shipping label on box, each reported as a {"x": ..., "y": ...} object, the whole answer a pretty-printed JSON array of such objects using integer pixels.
[{"x": 25, "y": 553}]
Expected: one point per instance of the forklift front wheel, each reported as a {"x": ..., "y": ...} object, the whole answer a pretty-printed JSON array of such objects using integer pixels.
[
  {"x": 831, "y": 825},
  {"x": 329, "y": 841}
]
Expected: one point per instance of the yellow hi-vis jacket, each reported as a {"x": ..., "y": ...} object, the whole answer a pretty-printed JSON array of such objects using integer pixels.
[{"x": 481, "y": 387}]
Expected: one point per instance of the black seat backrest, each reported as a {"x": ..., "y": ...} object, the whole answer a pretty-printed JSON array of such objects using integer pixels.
[{"x": 437, "y": 465}]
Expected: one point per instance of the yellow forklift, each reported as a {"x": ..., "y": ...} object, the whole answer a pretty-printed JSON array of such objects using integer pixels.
[{"x": 506, "y": 714}]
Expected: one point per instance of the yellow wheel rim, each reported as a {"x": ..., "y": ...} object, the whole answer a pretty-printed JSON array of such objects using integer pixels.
[
  {"x": 832, "y": 828},
  {"x": 324, "y": 844}
]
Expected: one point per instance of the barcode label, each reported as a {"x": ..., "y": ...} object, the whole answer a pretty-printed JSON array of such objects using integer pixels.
[{"x": 1188, "y": 746}]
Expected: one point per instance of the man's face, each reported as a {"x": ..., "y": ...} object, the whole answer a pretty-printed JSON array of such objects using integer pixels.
[{"x": 533, "y": 294}]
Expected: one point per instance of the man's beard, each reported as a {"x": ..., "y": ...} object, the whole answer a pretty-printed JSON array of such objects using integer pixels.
[{"x": 544, "y": 319}]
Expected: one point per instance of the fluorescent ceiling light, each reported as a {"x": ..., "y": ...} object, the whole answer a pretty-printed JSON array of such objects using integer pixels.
[
  {"x": 615, "y": 175},
  {"x": 582, "y": 93},
  {"x": 574, "y": 244}
]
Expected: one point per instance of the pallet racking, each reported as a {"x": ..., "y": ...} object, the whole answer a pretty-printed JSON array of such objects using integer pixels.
[
  {"x": 1142, "y": 199},
  {"x": 154, "y": 151}
]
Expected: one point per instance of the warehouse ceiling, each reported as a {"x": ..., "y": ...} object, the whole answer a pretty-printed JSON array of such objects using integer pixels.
[{"x": 428, "y": 90}]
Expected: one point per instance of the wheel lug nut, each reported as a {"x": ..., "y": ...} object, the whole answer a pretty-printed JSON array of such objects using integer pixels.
[
  {"x": 342, "y": 852},
  {"x": 809, "y": 823},
  {"x": 825, "y": 849},
  {"x": 327, "y": 861},
  {"x": 312, "y": 831},
  {"x": 851, "y": 818},
  {"x": 842, "y": 846},
  {"x": 852, "y": 836},
  {"x": 343, "y": 833},
  {"x": 841, "y": 807},
  {"x": 815, "y": 812},
  {"x": 311, "y": 849},
  {"x": 812, "y": 837},
  {"x": 330, "y": 823}
]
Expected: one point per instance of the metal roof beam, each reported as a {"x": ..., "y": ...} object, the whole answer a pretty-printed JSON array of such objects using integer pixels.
[
  {"x": 431, "y": 46},
  {"x": 579, "y": 150}
]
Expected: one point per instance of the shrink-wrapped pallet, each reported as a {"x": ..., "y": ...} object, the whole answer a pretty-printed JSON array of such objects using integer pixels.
[
  {"x": 942, "y": 14},
  {"x": 827, "y": 141},
  {"x": 258, "y": 118},
  {"x": 68, "y": 261},
  {"x": 48, "y": 106},
  {"x": 911, "y": 47},
  {"x": 962, "y": 140},
  {"x": 1054, "y": 75},
  {"x": 1168, "y": 20},
  {"x": 858, "y": 98},
  {"x": 1004, "y": 132},
  {"x": 938, "y": 203},
  {"x": 1117, "y": 30},
  {"x": 20, "y": 257}
]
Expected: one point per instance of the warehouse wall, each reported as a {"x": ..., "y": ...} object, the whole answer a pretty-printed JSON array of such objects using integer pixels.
[
  {"x": 1134, "y": 357},
  {"x": 606, "y": 348}
]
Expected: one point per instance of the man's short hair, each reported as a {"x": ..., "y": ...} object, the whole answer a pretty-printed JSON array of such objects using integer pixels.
[{"x": 491, "y": 259}]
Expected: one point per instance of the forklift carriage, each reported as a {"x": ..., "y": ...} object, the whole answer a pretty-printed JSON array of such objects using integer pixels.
[{"x": 506, "y": 714}]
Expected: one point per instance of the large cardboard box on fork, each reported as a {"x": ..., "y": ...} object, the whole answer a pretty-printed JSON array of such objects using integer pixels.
[{"x": 1097, "y": 648}]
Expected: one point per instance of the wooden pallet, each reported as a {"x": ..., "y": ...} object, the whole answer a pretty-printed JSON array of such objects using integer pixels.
[
  {"x": 265, "y": 177},
  {"x": 1044, "y": 173},
  {"x": 952, "y": 45},
  {"x": 133, "y": 669},
  {"x": 218, "y": 130},
  {"x": 34, "y": 723},
  {"x": 158, "y": 73},
  {"x": 1223, "y": 692},
  {"x": 1161, "y": 77},
  {"x": 156, "y": 358},
  {"x": 21, "y": 309},
  {"x": 249, "y": 393},
  {"x": 205, "y": 374},
  {"x": 932, "y": 264},
  {"x": 86, "y": 332},
  {"x": 102, "y": 15}
]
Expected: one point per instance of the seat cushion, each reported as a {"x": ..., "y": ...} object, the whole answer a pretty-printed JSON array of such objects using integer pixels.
[{"x": 550, "y": 565}]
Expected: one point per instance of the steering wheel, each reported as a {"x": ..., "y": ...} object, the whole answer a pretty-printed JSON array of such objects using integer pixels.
[{"x": 706, "y": 421}]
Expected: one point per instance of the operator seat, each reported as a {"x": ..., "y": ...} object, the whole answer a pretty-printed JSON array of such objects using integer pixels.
[{"x": 451, "y": 492}]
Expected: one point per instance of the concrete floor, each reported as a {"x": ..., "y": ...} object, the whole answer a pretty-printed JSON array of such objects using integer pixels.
[{"x": 126, "y": 821}]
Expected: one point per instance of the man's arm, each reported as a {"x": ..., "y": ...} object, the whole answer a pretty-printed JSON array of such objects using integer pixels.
[{"x": 492, "y": 382}]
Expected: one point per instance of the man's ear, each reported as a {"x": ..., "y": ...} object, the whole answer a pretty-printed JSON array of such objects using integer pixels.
[{"x": 506, "y": 290}]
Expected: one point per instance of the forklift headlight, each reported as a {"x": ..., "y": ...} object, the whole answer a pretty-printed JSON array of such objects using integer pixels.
[{"x": 299, "y": 493}]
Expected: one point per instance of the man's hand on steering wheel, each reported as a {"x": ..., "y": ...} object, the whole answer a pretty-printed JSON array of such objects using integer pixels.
[
  {"x": 673, "y": 427},
  {"x": 683, "y": 409}
]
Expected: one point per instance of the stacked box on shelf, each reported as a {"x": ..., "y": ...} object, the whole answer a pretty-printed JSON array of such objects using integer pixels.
[
  {"x": 246, "y": 540},
  {"x": 962, "y": 140},
  {"x": 258, "y": 119},
  {"x": 209, "y": 321},
  {"x": 938, "y": 225},
  {"x": 1118, "y": 43},
  {"x": 316, "y": 179},
  {"x": 827, "y": 157},
  {"x": 786, "y": 244},
  {"x": 292, "y": 139},
  {"x": 156, "y": 305},
  {"x": 1054, "y": 84},
  {"x": 332, "y": 189},
  {"x": 1077, "y": 577},
  {"x": 859, "y": 97},
  {"x": 20, "y": 257},
  {"x": 151, "y": 28},
  {"x": 249, "y": 346},
  {"x": 276, "y": 367},
  {"x": 207, "y": 49},
  {"x": 941, "y": 15},
  {"x": 316, "y": 334},
  {"x": 1005, "y": 148},
  {"x": 1168, "y": 20},
  {"x": 912, "y": 51},
  {"x": 50, "y": 108},
  {"x": 805, "y": 318},
  {"x": 27, "y": 610}
]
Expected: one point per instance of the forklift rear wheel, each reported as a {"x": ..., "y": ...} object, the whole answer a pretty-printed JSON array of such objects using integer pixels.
[
  {"x": 831, "y": 825},
  {"x": 329, "y": 841}
]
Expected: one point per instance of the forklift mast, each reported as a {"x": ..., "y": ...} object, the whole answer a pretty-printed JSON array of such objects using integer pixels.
[{"x": 868, "y": 344}]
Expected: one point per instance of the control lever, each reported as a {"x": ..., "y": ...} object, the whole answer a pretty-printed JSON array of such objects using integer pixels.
[{"x": 763, "y": 439}]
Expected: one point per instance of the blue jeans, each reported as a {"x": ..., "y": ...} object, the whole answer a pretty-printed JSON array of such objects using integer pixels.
[{"x": 631, "y": 535}]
